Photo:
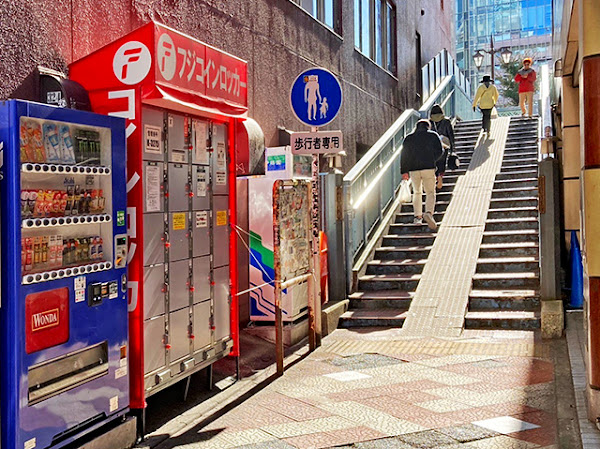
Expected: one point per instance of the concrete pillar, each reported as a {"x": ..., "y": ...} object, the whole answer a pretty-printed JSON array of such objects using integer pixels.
[
  {"x": 589, "y": 52},
  {"x": 333, "y": 215},
  {"x": 552, "y": 310}
]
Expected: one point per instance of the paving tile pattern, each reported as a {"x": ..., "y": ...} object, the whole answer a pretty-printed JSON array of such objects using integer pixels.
[
  {"x": 441, "y": 298},
  {"x": 435, "y": 400}
]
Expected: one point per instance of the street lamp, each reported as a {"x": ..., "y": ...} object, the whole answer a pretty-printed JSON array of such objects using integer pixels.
[{"x": 505, "y": 54}]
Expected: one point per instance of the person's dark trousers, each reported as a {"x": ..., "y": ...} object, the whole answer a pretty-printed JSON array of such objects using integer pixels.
[{"x": 486, "y": 121}]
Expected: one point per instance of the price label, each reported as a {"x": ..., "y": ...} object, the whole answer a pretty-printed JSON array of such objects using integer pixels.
[{"x": 153, "y": 141}]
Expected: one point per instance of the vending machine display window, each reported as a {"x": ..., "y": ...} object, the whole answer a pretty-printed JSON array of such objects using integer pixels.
[{"x": 65, "y": 182}]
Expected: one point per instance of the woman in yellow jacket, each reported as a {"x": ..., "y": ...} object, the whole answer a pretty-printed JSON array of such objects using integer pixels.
[{"x": 486, "y": 96}]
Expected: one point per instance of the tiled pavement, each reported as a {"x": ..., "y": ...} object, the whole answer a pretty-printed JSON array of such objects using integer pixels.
[{"x": 498, "y": 392}]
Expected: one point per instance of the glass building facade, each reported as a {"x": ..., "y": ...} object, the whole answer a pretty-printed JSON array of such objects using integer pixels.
[{"x": 523, "y": 25}]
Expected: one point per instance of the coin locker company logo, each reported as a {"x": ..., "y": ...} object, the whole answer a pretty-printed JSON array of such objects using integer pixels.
[
  {"x": 166, "y": 56},
  {"x": 132, "y": 62},
  {"x": 44, "y": 320}
]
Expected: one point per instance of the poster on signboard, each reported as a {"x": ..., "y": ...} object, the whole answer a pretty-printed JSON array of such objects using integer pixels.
[{"x": 294, "y": 225}]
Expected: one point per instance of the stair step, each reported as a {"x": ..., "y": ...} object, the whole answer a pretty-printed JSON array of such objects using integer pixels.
[
  {"x": 494, "y": 281},
  {"x": 440, "y": 206},
  {"x": 519, "y": 153},
  {"x": 513, "y": 212},
  {"x": 520, "y": 235},
  {"x": 402, "y": 252},
  {"x": 505, "y": 293},
  {"x": 508, "y": 264},
  {"x": 381, "y": 282},
  {"x": 514, "y": 192},
  {"x": 520, "y": 162},
  {"x": 516, "y": 167},
  {"x": 513, "y": 249},
  {"x": 505, "y": 203},
  {"x": 373, "y": 318},
  {"x": 388, "y": 299},
  {"x": 391, "y": 240},
  {"x": 408, "y": 217},
  {"x": 396, "y": 266},
  {"x": 483, "y": 302},
  {"x": 408, "y": 228},
  {"x": 510, "y": 224},
  {"x": 516, "y": 174},
  {"x": 506, "y": 320}
]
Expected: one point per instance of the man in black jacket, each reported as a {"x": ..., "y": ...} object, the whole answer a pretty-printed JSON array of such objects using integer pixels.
[{"x": 420, "y": 152}]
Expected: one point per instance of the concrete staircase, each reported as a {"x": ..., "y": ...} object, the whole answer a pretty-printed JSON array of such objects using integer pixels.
[
  {"x": 386, "y": 290},
  {"x": 505, "y": 293}
]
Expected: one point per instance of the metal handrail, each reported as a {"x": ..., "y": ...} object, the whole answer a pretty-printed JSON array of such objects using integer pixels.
[{"x": 374, "y": 151}]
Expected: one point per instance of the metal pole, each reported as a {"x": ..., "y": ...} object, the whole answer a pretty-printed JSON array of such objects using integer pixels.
[
  {"x": 492, "y": 56},
  {"x": 277, "y": 280},
  {"x": 314, "y": 297}
]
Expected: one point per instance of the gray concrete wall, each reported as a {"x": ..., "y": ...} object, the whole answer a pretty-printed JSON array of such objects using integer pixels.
[{"x": 276, "y": 37}]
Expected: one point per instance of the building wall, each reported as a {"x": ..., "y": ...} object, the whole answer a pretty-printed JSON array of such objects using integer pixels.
[
  {"x": 577, "y": 53},
  {"x": 276, "y": 37}
]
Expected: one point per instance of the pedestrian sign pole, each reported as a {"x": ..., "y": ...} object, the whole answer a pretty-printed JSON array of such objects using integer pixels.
[
  {"x": 315, "y": 98},
  {"x": 314, "y": 303}
]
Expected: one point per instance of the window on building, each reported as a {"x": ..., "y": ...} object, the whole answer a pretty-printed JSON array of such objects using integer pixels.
[
  {"x": 375, "y": 31},
  {"x": 326, "y": 11}
]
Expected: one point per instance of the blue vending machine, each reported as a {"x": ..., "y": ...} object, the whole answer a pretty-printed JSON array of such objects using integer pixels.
[{"x": 63, "y": 313}]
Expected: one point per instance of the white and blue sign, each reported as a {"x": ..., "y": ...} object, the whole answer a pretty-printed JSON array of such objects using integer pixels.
[{"x": 316, "y": 97}]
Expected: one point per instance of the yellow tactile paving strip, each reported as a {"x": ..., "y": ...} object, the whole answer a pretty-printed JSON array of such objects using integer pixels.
[
  {"x": 439, "y": 347},
  {"x": 441, "y": 299}
]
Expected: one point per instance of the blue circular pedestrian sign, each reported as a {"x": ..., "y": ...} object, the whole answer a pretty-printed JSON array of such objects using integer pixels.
[{"x": 316, "y": 97}]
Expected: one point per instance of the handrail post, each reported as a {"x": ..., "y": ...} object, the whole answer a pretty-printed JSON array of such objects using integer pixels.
[{"x": 348, "y": 237}]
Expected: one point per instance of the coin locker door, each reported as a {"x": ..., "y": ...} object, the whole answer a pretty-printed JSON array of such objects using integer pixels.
[
  {"x": 200, "y": 187},
  {"x": 221, "y": 303},
  {"x": 201, "y": 279},
  {"x": 154, "y": 245},
  {"x": 152, "y": 134},
  {"x": 220, "y": 230},
  {"x": 219, "y": 161},
  {"x": 179, "y": 284},
  {"x": 153, "y": 186},
  {"x": 201, "y": 232},
  {"x": 178, "y": 140},
  {"x": 154, "y": 291},
  {"x": 179, "y": 334},
  {"x": 154, "y": 346},
  {"x": 178, "y": 187},
  {"x": 179, "y": 236},
  {"x": 202, "y": 333}
]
